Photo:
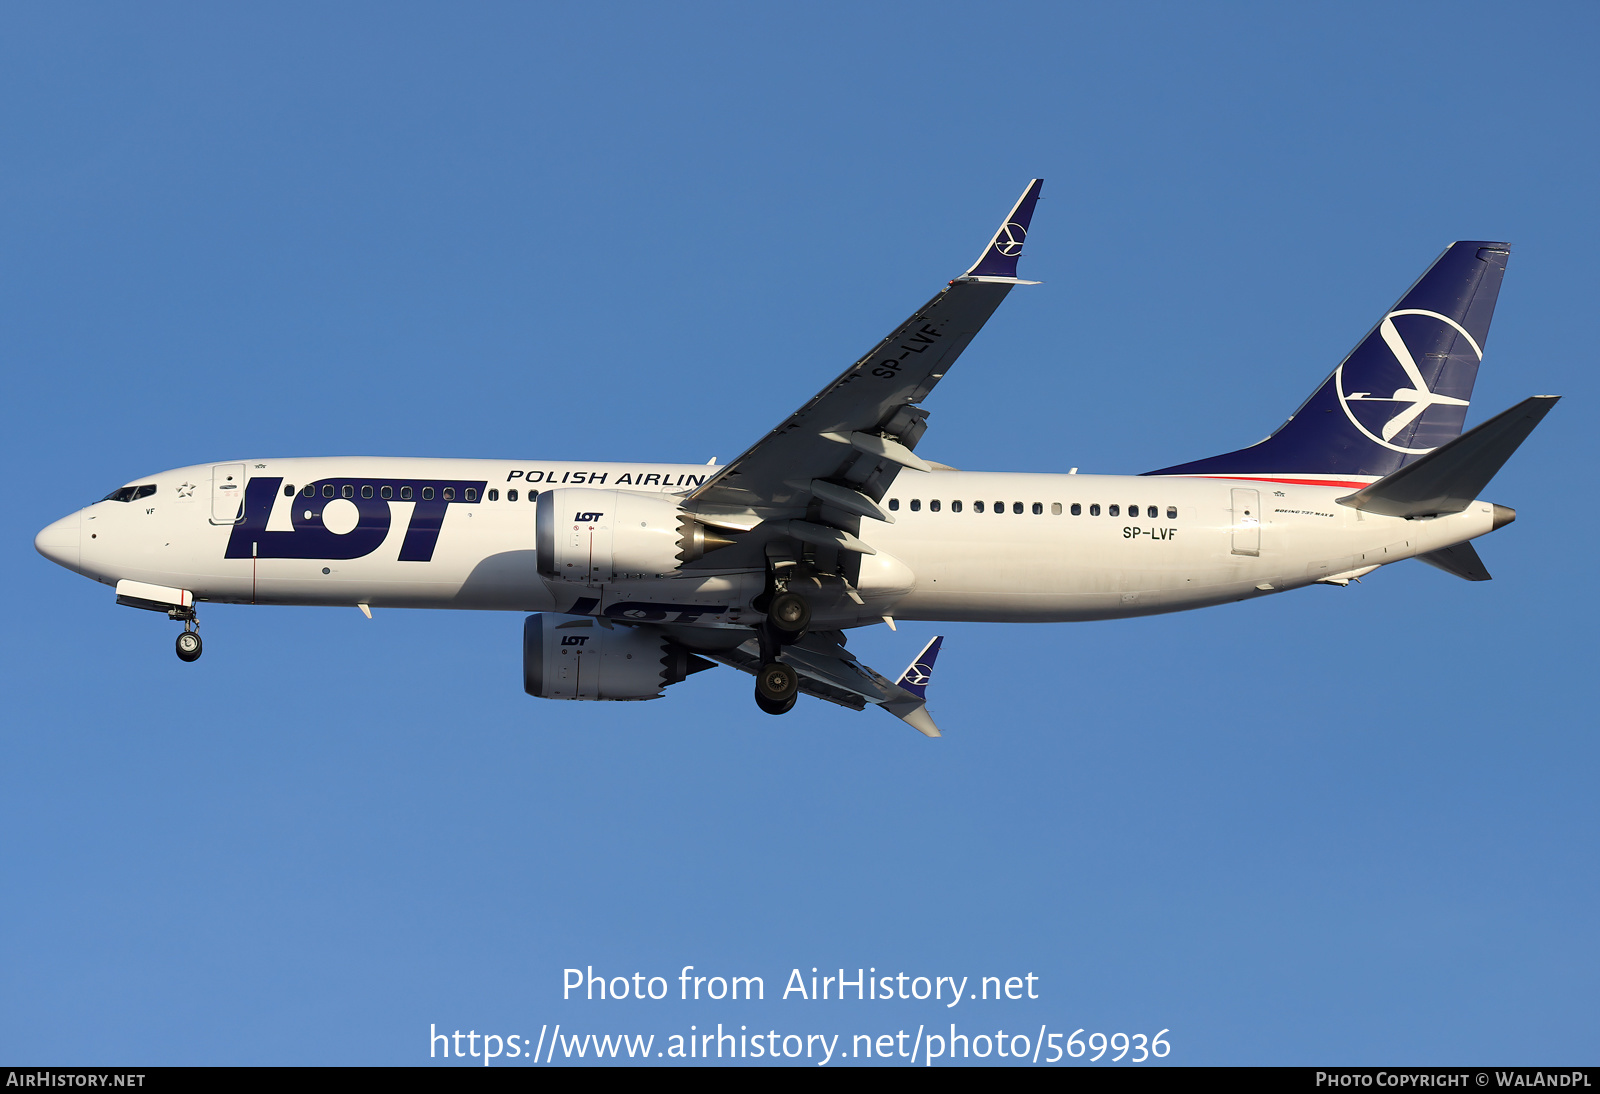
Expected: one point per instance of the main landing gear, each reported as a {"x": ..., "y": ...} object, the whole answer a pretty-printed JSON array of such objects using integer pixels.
[
  {"x": 189, "y": 647},
  {"x": 778, "y": 685}
]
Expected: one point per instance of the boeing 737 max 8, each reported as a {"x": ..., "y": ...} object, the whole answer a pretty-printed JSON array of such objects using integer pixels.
[{"x": 639, "y": 575}]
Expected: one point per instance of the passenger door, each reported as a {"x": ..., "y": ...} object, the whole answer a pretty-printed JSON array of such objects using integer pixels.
[
  {"x": 1246, "y": 522},
  {"x": 227, "y": 493}
]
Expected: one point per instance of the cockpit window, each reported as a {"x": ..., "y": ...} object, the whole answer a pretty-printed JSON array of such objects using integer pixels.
[{"x": 131, "y": 493}]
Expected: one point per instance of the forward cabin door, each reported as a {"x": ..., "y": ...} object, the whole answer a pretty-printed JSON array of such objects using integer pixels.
[
  {"x": 227, "y": 493},
  {"x": 1246, "y": 522}
]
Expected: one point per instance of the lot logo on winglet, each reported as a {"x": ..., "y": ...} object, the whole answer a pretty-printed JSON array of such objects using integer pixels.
[
  {"x": 1009, "y": 241},
  {"x": 1383, "y": 417},
  {"x": 919, "y": 672}
]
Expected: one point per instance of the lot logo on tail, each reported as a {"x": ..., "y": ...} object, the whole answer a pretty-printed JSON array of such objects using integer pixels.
[
  {"x": 1383, "y": 417},
  {"x": 1009, "y": 241}
]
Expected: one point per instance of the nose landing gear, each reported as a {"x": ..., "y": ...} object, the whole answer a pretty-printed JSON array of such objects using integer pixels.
[{"x": 189, "y": 647}]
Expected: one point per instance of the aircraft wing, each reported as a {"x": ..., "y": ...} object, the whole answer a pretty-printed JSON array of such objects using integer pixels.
[
  {"x": 857, "y": 432},
  {"x": 828, "y": 671}
]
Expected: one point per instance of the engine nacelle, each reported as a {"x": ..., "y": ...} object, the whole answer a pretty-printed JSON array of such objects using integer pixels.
[
  {"x": 576, "y": 657},
  {"x": 591, "y": 537}
]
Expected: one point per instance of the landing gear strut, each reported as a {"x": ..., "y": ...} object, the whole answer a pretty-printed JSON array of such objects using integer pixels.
[
  {"x": 189, "y": 647},
  {"x": 777, "y": 684}
]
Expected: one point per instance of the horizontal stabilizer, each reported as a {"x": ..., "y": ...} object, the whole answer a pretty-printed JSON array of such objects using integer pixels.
[
  {"x": 1447, "y": 479},
  {"x": 1461, "y": 560}
]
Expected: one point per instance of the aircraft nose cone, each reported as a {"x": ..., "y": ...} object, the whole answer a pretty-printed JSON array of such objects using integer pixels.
[{"x": 59, "y": 541}]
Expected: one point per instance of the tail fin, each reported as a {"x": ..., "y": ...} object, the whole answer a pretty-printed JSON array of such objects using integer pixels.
[{"x": 1401, "y": 393}]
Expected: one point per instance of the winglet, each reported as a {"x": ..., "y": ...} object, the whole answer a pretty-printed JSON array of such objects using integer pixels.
[
  {"x": 917, "y": 675},
  {"x": 999, "y": 258},
  {"x": 912, "y": 706}
]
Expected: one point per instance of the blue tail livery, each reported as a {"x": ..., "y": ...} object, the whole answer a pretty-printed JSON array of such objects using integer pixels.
[{"x": 1401, "y": 393}]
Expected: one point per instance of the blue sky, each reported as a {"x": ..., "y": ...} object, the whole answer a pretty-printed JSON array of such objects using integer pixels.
[{"x": 1337, "y": 826}]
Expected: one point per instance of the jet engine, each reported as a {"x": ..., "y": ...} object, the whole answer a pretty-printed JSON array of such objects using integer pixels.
[
  {"x": 577, "y": 657},
  {"x": 590, "y": 537}
]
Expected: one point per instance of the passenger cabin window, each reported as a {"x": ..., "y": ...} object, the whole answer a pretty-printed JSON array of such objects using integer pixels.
[
  {"x": 1055, "y": 509},
  {"x": 1077, "y": 509},
  {"x": 427, "y": 493},
  {"x": 327, "y": 491},
  {"x": 449, "y": 493},
  {"x": 977, "y": 507},
  {"x": 1172, "y": 512},
  {"x": 894, "y": 505},
  {"x": 1115, "y": 510},
  {"x": 933, "y": 506},
  {"x": 386, "y": 492},
  {"x": 309, "y": 492},
  {"x": 288, "y": 491},
  {"x": 916, "y": 505},
  {"x": 347, "y": 491},
  {"x": 494, "y": 495},
  {"x": 1152, "y": 512},
  {"x": 1094, "y": 509},
  {"x": 366, "y": 491},
  {"x": 955, "y": 507},
  {"x": 999, "y": 507},
  {"x": 511, "y": 495},
  {"x": 405, "y": 493},
  {"x": 533, "y": 495},
  {"x": 1038, "y": 509},
  {"x": 1016, "y": 507},
  {"x": 471, "y": 493}
]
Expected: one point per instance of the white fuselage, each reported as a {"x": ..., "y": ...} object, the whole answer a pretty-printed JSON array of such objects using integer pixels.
[{"x": 1209, "y": 541}]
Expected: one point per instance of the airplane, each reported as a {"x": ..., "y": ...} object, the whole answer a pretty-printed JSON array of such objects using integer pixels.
[{"x": 638, "y": 575}]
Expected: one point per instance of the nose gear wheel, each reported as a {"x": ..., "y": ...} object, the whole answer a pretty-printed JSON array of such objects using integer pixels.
[{"x": 189, "y": 647}]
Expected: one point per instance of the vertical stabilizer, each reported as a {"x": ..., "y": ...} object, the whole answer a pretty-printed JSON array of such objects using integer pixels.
[{"x": 1402, "y": 392}]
